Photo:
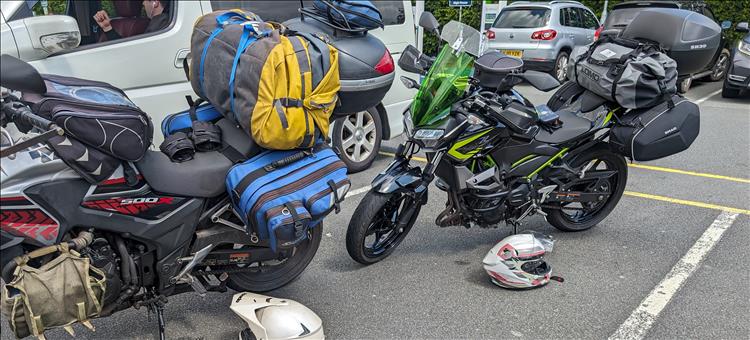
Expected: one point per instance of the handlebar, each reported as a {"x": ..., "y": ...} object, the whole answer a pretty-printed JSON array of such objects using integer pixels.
[{"x": 20, "y": 113}]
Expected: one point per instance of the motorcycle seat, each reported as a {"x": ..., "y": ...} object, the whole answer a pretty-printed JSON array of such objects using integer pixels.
[
  {"x": 572, "y": 127},
  {"x": 202, "y": 176}
]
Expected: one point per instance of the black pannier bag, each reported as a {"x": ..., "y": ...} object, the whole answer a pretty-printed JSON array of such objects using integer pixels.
[
  {"x": 657, "y": 132},
  {"x": 96, "y": 113}
]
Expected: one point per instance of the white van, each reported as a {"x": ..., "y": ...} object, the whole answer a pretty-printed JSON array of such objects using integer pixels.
[{"x": 149, "y": 66}]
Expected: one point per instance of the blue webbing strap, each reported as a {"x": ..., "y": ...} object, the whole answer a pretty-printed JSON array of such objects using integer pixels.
[
  {"x": 245, "y": 41},
  {"x": 230, "y": 17},
  {"x": 203, "y": 57}
]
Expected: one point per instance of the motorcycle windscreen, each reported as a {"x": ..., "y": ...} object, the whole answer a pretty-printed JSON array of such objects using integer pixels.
[{"x": 448, "y": 77}]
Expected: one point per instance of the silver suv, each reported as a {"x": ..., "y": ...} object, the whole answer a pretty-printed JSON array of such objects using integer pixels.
[{"x": 543, "y": 33}]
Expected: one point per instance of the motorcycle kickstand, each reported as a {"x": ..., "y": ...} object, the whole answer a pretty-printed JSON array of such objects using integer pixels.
[{"x": 160, "y": 320}]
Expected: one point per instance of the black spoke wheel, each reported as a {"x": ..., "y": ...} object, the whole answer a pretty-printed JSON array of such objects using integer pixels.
[
  {"x": 273, "y": 274},
  {"x": 575, "y": 216},
  {"x": 373, "y": 233}
]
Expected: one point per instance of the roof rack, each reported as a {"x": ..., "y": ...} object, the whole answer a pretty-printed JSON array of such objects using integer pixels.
[{"x": 565, "y": 1}]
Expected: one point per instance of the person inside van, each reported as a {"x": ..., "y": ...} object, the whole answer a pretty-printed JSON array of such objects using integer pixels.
[{"x": 157, "y": 12}]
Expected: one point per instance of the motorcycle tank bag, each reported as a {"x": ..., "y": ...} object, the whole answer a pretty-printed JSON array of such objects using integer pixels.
[
  {"x": 280, "y": 88},
  {"x": 96, "y": 113},
  {"x": 657, "y": 132},
  {"x": 280, "y": 194},
  {"x": 631, "y": 73},
  {"x": 63, "y": 291}
]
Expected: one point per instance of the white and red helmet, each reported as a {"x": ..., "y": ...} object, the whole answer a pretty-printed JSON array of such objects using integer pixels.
[{"x": 517, "y": 261}]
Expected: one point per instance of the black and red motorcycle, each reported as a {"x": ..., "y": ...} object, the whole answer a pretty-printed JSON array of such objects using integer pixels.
[{"x": 155, "y": 228}]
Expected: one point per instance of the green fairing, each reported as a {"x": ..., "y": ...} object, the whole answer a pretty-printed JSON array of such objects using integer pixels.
[{"x": 443, "y": 86}]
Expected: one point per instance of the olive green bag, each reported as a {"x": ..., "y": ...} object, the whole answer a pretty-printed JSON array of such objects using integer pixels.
[{"x": 60, "y": 293}]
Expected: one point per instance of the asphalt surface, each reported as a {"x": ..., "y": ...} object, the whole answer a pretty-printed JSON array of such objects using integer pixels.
[{"x": 434, "y": 286}]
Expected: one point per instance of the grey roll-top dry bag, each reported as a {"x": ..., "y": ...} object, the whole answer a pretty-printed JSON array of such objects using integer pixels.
[{"x": 632, "y": 73}]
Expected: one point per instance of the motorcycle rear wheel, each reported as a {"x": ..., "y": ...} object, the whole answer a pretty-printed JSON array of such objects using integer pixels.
[
  {"x": 376, "y": 215},
  {"x": 270, "y": 276},
  {"x": 590, "y": 214}
]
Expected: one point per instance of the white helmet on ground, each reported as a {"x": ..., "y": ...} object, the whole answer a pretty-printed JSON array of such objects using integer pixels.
[
  {"x": 272, "y": 318},
  {"x": 517, "y": 261}
]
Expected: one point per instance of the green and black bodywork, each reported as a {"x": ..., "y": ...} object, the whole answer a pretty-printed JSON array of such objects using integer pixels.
[{"x": 493, "y": 154}]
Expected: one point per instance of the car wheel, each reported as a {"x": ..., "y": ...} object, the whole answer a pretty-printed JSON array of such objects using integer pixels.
[
  {"x": 357, "y": 137},
  {"x": 560, "y": 71},
  {"x": 728, "y": 92},
  {"x": 720, "y": 68},
  {"x": 684, "y": 85}
]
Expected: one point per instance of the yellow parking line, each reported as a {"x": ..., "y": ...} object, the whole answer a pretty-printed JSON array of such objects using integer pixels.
[
  {"x": 690, "y": 173},
  {"x": 645, "y": 167},
  {"x": 652, "y": 197},
  {"x": 688, "y": 203}
]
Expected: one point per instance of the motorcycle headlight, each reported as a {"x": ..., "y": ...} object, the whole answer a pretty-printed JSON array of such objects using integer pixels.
[
  {"x": 744, "y": 47},
  {"x": 428, "y": 134},
  {"x": 408, "y": 123}
]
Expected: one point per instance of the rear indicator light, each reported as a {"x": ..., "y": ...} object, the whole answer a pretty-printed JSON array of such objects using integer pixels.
[
  {"x": 598, "y": 32},
  {"x": 490, "y": 34},
  {"x": 544, "y": 35},
  {"x": 385, "y": 65}
]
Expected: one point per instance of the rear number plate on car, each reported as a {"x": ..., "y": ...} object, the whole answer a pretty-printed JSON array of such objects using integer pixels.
[{"x": 513, "y": 53}]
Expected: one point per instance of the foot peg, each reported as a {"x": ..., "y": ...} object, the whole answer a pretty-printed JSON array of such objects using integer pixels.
[{"x": 184, "y": 275}]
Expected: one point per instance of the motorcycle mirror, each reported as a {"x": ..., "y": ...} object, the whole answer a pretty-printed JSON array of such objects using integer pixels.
[
  {"x": 409, "y": 83},
  {"x": 540, "y": 80},
  {"x": 18, "y": 75},
  {"x": 429, "y": 23}
]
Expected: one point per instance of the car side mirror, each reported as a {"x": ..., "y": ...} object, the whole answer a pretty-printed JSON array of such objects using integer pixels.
[
  {"x": 409, "y": 83},
  {"x": 726, "y": 24},
  {"x": 741, "y": 27},
  {"x": 429, "y": 23},
  {"x": 48, "y": 35}
]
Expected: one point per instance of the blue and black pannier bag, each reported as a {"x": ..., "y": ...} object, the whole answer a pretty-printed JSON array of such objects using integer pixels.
[
  {"x": 350, "y": 13},
  {"x": 279, "y": 195}
]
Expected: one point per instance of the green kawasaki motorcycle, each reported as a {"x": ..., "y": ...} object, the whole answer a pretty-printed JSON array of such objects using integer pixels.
[{"x": 498, "y": 158}]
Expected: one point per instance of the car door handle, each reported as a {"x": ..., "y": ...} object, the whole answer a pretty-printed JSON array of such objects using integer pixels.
[{"x": 180, "y": 57}]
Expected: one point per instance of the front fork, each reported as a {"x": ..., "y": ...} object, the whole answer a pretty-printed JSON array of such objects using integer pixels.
[{"x": 402, "y": 178}]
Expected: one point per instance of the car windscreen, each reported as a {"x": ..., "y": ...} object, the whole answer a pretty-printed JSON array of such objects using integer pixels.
[{"x": 529, "y": 17}]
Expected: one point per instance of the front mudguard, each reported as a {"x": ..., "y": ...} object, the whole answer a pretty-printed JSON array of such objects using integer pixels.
[{"x": 400, "y": 177}]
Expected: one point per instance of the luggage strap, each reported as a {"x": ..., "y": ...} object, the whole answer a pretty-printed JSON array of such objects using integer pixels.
[
  {"x": 303, "y": 59},
  {"x": 335, "y": 194},
  {"x": 260, "y": 172},
  {"x": 206, "y": 136}
]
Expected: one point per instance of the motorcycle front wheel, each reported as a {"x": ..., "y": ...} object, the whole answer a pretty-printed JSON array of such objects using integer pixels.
[
  {"x": 372, "y": 234},
  {"x": 269, "y": 275}
]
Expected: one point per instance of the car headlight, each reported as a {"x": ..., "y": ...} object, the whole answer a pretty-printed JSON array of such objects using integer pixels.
[
  {"x": 408, "y": 123},
  {"x": 744, "y": 47}
]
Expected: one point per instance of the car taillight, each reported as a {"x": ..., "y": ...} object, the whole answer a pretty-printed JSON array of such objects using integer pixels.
[
  {"x": 490, "y": 34},
  {"x": 385, "y": 65},
  {"x": 544, "y": 35},
  {"x": 598, "y": 32}
]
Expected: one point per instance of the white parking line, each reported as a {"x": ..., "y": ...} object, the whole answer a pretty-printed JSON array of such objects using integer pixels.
[
  {"x": 356, "y": 192},
  {"x": 701, "y": 100},
  {"x": 643, "y": 317}
]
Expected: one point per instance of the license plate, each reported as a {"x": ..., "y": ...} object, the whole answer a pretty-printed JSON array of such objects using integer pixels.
[{"x": 513, "y": 53}]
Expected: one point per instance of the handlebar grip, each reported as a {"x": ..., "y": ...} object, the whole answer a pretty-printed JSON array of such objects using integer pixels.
[{"x": 23, "y": 115}]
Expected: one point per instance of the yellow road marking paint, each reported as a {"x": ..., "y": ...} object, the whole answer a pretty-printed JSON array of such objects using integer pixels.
[
  {"x": 645, "y": 167},
  {"x": 650, "y": 196},
  {"x": 688, "y": 203},
  {"x": 690, "y": 173}
]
